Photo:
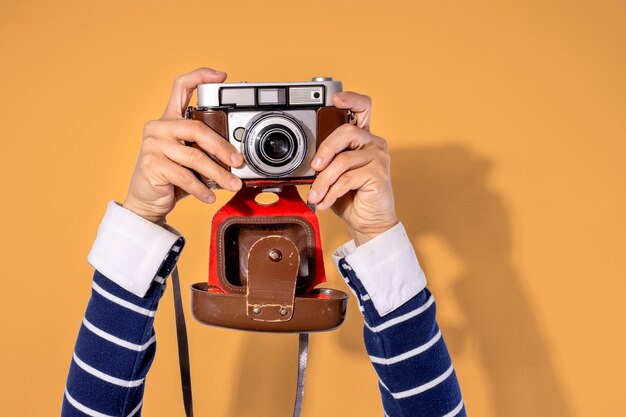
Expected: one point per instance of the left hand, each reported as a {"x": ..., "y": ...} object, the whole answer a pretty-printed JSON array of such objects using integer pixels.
[{"x": 355, "y": 184}]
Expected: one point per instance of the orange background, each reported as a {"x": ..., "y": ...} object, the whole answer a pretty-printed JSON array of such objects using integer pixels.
[{"x": 507, "y": 127}]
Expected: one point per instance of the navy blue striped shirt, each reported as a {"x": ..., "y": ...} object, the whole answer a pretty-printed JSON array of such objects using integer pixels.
[
  {"x": 114, "y": 350},
  {"x": 116, "y": 346},
  {"x": 407, "y": 350}
]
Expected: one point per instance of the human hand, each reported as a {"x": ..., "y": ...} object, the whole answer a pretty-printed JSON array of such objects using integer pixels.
[
  {"x": 355, "y": 184},
  {"x": 162, "y": 175}
]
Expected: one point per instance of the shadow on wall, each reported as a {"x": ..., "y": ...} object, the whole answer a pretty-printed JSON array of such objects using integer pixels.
[{"x": 440, "y": 191}]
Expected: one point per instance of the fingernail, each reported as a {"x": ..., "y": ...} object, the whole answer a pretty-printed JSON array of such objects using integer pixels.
[
  {"x": 317, "y": 162},
  {"x": 209, "y": 198},
  {"x": 236, "y": 159},
  {"x": 312, "y": 196},
  {"x": 235, "y": 183}
]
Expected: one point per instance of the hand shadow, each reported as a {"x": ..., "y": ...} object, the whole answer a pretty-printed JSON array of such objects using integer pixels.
[
  {"x": 444, "y": 191},
  {"x": 441, "y": 191}
]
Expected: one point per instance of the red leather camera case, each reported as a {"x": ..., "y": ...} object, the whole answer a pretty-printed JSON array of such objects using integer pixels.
[{"x": 249, "y": 290}]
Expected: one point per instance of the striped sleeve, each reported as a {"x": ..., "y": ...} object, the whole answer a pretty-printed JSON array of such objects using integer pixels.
[
  {"x": 405, "y": 345},
  {"x": 116, "y": 342},
  {"x": 113, "y": 353}
]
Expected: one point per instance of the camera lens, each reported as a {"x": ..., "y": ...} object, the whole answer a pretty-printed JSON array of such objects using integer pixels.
[
  {"x": 277, "y": 145},
  {"x": 274, "y": 144}
]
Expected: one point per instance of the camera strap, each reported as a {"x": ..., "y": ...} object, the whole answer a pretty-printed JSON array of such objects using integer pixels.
[
  {"x": 183, "y": 354},
  {"x": 183, "y": 345},
  {"x": 303, "y": 355}
]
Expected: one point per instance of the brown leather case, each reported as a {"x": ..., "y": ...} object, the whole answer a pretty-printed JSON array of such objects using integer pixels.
[
  {"x": 238, "y": 234},
  {"x": 329, "y": 119},
  {"x": 215, "y": 119},
  {"x": 320, "y": 310},
  {"x": 268, "y": 302},
  {"x": 270, "y": 271}
]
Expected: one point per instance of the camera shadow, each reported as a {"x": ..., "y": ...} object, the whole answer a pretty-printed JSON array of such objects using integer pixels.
[{"x": 442, "y": 195}]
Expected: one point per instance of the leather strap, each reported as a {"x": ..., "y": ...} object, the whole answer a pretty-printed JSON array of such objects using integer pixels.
[
  {"x": 303, "y": 356},
  {"x": 183, "y": 345}
]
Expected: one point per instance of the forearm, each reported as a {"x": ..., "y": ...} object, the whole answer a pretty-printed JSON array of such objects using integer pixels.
[
  {"x": 113, "y": 353},
  {"x": 116, "y": 343},
  {"x": 409, "y": 354},
  {"x": 402, "y": 338}
]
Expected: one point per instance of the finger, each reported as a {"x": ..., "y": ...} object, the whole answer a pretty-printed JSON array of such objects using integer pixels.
[
  {"x": 359, "y": 104},
  {"x": 198, "y": 132},
  {"x": 185, "y": 180},
  {"x": 199, "y": 161},
  {"x": 351, "y": 180},
  {"x": 184, "y": 86},
  {"x": 342, "y": 163},
  {"x": 346, "y": 136},
  {"x": 180, "y": 193}
]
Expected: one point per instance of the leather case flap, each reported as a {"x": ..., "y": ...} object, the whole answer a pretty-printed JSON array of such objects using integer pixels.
[{"x": 273, "y": 263}]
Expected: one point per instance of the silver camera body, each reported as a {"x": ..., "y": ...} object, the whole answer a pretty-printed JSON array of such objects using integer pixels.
[{"x": 274, "y": 125}]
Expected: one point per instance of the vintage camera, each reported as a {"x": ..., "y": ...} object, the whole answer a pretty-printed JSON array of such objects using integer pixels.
[{"x": 276, "y": 126}]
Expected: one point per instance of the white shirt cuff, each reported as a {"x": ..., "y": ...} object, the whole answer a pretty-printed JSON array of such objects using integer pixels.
[
  {"x": 387, "y": 268},
  {"x": 129, "y": 250}
]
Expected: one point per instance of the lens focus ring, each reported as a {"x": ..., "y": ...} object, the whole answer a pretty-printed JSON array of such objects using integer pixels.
[{"x": 274, "y": 144}]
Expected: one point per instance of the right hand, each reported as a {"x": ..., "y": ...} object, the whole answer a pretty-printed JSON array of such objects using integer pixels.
[{"x": 162, "y": 175}]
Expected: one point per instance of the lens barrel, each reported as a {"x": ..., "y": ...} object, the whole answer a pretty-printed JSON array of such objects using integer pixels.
[{"x": 274, "y": 144}]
